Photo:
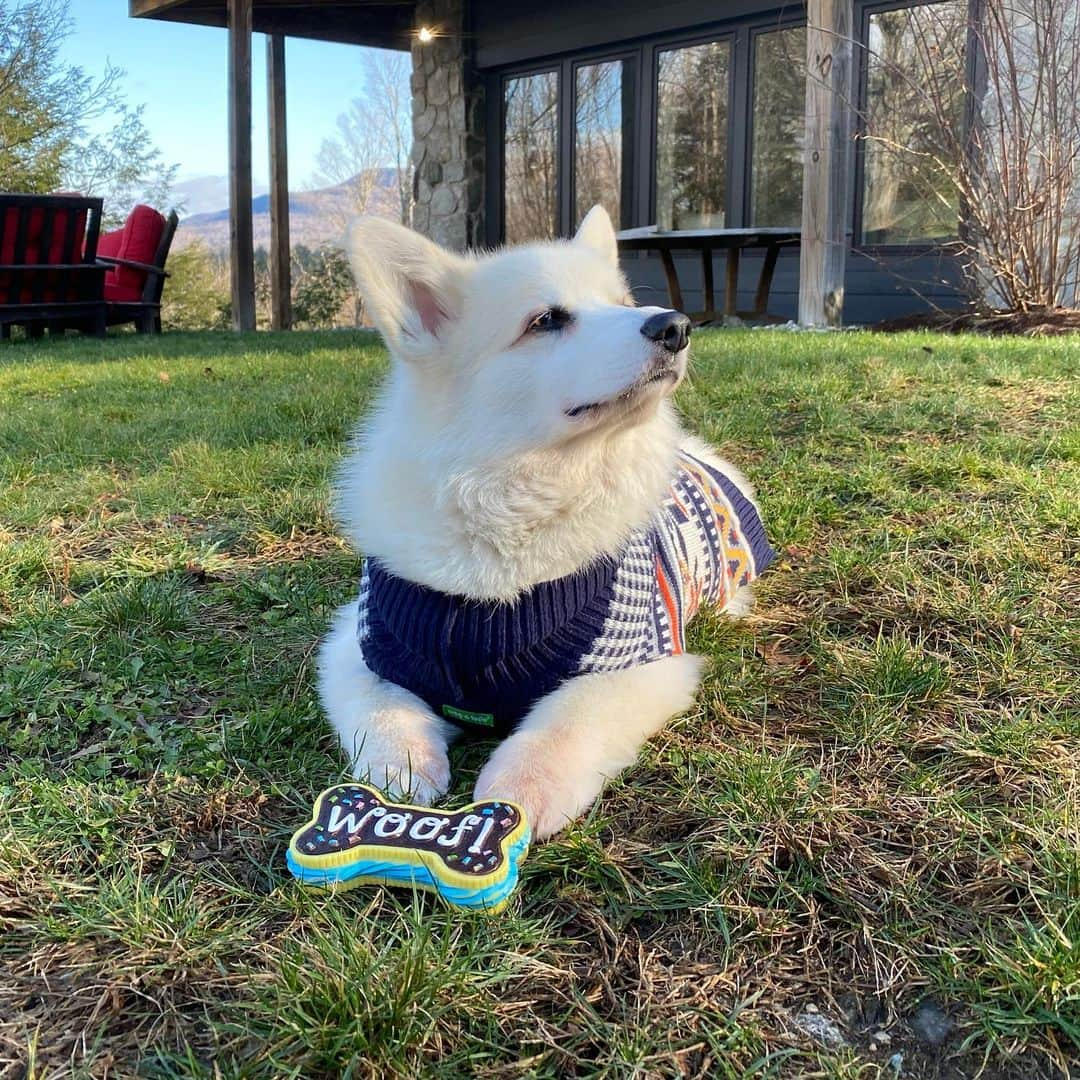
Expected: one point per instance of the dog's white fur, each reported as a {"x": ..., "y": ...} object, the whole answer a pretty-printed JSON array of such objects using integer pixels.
[{"x": 473, "y": 477}]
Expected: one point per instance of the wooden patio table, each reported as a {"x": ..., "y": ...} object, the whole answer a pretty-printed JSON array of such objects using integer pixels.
[{"x": 733, "y": 241}]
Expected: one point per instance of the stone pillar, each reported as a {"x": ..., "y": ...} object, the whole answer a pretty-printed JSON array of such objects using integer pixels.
[{"x": 448, "y": 129}]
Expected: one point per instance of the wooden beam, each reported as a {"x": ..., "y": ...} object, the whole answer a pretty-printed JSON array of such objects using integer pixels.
[
  {"x": 382, "y": 27},
  {"x": 154, "y": 8},
  {"x": 280, "y": 251},
  {"x": 241, "y": 235},
  {"x": 138, "y": 9},
  {"x": 357, "y": 22},
  {"x": 826, "y": 208}
]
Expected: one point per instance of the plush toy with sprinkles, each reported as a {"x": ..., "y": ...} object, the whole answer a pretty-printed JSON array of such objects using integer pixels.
[{"x": 470, "y": 856}]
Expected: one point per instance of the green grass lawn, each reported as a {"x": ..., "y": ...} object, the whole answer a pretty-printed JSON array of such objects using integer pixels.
[{"x": 868, "y": 824}]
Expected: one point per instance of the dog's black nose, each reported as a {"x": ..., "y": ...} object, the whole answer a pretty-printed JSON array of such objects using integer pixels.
[{"x": 669, "y": 328}]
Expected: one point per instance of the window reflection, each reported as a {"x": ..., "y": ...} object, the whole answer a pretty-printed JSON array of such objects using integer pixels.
[
  {"x": 914, "y": 114},
  {"x": 692, "y": 136},
  {"x": 601, "y": 138},
  {"x": 531, "y": 158},
  {"x": 779, "y": 117}
]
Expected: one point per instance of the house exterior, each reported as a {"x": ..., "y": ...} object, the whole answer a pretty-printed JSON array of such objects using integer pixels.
[{"x": 687, "y": 114}]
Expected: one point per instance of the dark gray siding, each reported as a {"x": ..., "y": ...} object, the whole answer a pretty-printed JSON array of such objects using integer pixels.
[
  {"x": 879, "y": 286},
  {"x": 509, "y": 32}
]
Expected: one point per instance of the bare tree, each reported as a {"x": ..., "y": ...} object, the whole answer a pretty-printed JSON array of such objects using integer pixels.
[
  {"x": 370, "y": 151},
  {"x": 1023, "y": 186},
  {"x": 973, "y": 139}
]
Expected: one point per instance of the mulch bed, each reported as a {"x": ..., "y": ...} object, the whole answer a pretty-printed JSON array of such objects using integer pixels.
[{"x": 1047, "y": 323}]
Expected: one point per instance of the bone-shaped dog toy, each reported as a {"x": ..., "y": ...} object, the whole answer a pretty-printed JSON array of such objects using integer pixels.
[{"x": 356, "y": 837}]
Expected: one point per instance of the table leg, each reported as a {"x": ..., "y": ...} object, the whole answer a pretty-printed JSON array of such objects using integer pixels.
[
  {"x": 732, "y": 295},
  {"x": 674, "y": 292},
  {"x": 761, "y": 298},
  {"x": 707, "y": 275}
]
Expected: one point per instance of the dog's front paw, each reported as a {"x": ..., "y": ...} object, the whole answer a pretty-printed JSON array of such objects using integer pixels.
[
  {"x": 403, "y": 759},
  {"x": 414, "y": 773},
  {"x": 551, "y": 794}
]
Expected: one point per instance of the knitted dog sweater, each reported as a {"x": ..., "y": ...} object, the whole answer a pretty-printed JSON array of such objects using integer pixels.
[{"x": 482, "y": 664}]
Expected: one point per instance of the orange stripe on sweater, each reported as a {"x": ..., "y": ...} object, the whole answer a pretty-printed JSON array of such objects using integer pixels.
[{"x": 672, "y": 609}]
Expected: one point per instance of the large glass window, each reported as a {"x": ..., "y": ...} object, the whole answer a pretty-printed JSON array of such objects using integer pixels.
[
  {"x": 531, "y": 157},
  {"x": 603, "y": 124},
  {"x": 913, "y": 122},
  {"x": 779, "y": 126},
  {"x": 692, "y": 136}
]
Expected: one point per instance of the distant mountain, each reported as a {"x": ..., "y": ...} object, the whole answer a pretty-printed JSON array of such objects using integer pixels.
[
  {"x": 204, "y": 194},
  {"x": 316, "y": 218}
]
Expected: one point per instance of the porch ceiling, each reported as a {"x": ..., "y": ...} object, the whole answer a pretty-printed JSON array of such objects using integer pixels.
[{"x": 385, "y": 23}]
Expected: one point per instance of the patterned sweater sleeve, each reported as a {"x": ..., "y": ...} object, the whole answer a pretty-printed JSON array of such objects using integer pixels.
[{"x": 710, "y": 543}]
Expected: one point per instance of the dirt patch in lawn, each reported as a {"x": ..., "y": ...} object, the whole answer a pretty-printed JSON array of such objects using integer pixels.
[{"x": 1052, "y": 322}]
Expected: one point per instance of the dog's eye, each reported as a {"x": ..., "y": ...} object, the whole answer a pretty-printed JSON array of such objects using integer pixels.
[{"x": 555, "y": 318}]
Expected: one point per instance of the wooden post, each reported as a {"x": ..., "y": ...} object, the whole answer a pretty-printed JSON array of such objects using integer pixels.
[
  {"x": 280, "y": 256},
  {"x": 241, "y": 234},
  {"x": 731, "y": 290},
  {"x": 826, "y": 208}
]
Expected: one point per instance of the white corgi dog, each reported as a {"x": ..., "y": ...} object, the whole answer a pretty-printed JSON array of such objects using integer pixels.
[{"x": 536, "y": 526}]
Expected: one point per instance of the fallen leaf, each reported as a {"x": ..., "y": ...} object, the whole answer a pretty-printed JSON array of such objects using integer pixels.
[{"x": 776, "y": 656}]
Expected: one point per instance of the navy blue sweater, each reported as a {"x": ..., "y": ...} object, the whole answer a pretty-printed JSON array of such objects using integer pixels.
[{"x": 482, "y": 664}]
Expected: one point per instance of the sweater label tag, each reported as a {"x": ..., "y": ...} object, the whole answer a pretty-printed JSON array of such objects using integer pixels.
[{"x": 483, "y": 719}]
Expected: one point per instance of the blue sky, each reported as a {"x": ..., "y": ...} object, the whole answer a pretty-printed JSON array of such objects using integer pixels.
[{"x": 179, "y": 72}]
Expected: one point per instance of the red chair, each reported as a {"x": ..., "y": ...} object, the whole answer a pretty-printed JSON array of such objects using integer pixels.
[
  {"x": 135, "y": 256},
  {"x": 48, "y": 268}
]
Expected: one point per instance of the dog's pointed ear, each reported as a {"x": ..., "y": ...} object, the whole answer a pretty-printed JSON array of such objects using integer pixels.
[
  {"x": 597, "y": 232},
  {"x": 411, "y": 287}
]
